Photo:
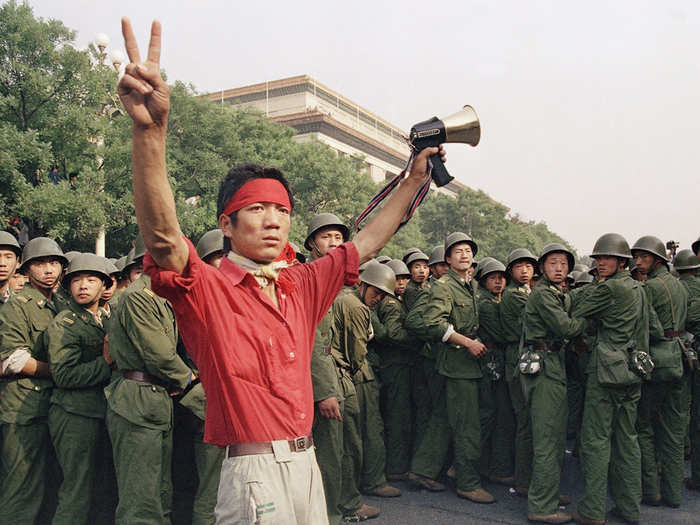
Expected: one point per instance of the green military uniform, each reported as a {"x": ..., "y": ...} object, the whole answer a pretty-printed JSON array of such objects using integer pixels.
[
  {"x": 24, "y": 405},
  {"x": 457, "y": 413},
  {"x": 143, "y": 339},
  {"x": 512, "y": 307},
  {"x": 75, "y": 340},
  {"x": 363, "y": 444},
  {"x": 499, "y": 434},
  {"x": 609, "y": 445},
  {"x": 661, "y": 423},
  {"x": 329, "y": 381},
  {"x": 547, "y": 325},
  {"x": 692, "y": 286},
  {"x": 395, "y": 347}
]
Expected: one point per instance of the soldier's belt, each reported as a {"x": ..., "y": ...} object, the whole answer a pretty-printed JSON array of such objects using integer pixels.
[
  {"x": 142, "y": 377},
  {"x": 544, "y": 346},
  {"x": 299, "y": 444},
  {"x": 672, "y": 333}
]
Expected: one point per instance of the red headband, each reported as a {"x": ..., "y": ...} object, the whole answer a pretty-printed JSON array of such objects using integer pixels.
[{"x": 258, "y": 190}]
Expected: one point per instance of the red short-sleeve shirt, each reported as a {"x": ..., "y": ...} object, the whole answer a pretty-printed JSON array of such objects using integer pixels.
[{"x": 253, "y": 359}]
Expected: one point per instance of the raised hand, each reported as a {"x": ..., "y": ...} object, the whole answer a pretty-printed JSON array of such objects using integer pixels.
[
  {"x": 420, "y": 163},
  {"x": 142, "y": 90}
]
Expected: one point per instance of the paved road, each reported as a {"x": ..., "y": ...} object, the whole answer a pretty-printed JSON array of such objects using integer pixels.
[{"x": 445, "y": 508}]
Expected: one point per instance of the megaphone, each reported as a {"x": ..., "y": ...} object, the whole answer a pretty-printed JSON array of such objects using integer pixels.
[{"x": 462, "y": 127}]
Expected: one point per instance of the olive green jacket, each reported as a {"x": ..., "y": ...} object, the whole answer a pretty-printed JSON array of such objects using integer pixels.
[
  {"x": 351, "y": 330},
  {"x": 143, "y": 337},
  {"x": 324, "y": 372},
  {"x": 546, "y": 321},
  {"x": 75, "y": 341},
  {"x": 692, "y": 286},
  {"x": 394, "y": 343},
  {"x": 415, "y": 321},
  {"x": 452, "y": 302},
  {"x": 669, "y": 299},
  {"x": 23, "y": 320},
  {"x": 491, "y": 330}
]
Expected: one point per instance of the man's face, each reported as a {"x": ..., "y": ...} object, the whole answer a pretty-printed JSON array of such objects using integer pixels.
[
  {"x": 326, "y": 239},
  {"x": 495, "y": 282},
  {"x": 460, "y": 257},
  {"x": 522, "y": 271},
  {"x": 401, "y": 283},
  {"x": 45, "y": 271},
  {"x": 607, "y": 265},
  {"x": 214, "y": 259},
  {"x": 107, "y": 293},
  {"x": 17, "y": 281},
  {"x": 645, "y": 261},
  {"x": 373, "y": 296},
  {"x": 261, "y": 231},
  {"x": 135, "y": 271},
  {"x": 8, "y": 264},
  {"x": 86, "y": 288},
  {"x": 439, "y": 269},
  {"x": 419, "y": 271},
  {"x": 556, "y": 266}
]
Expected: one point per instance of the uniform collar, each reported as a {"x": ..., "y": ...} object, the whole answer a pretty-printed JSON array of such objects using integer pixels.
[
  {"x": 658, "y": 271},
  {"x": 458, "y": 278}
]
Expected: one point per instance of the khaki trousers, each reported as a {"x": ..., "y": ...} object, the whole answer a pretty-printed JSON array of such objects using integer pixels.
[{"x": 282, "y": 488}]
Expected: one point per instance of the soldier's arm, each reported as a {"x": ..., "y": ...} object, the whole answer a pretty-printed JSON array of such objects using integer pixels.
[
  {"x": 15, "y": 343},
  {"x": 490, "y": 322},
  {"x": 393, "y": 322},
  {"x": 656, "y": 328},
  {"x": 556, "y": 318},
  {"x": 594, "y": 304},
  {"x": 139, "y": 316},
  {"x": 511, "y": 310},
  {"x": 414, "y": 321},
  {"x": 379, "y": 329},
  {"x": 64, "y": 357},
  {"x": 357, "y": 326}
]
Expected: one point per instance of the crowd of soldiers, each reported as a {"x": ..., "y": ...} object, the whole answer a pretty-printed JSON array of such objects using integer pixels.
[{"x": 432, "y": 368}]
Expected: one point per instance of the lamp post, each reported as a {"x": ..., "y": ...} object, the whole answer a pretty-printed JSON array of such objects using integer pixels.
[{"x": 117, "y": 58}]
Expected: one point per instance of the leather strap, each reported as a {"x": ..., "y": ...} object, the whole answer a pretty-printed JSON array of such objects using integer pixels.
[
  {"x": 299, "y": 444},
  {"x": 672, "y": 333},
  {"x": 141, "y": 377}
]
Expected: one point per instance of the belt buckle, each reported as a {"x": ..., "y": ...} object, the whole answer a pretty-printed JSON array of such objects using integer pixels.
[{"x": 300, "y": 444}]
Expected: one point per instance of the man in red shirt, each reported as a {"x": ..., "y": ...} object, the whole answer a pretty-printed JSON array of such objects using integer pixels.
[{"x": 250, "y": 324}]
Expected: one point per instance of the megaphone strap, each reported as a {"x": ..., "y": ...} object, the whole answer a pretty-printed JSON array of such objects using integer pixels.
[{"x": 418, "y": 198}]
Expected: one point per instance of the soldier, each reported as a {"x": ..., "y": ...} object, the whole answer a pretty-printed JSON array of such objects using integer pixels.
[
  {"x": 364, "y": 459},
  {"x": 80, "y": 369},
  {"x": 695, "y": 247},
  {"x": 609, "y": 447},
  {"x": 210, "y": 247},
  {"x": 520, "y": 269},
  {"x": 687, "y": 265},
  {"x": 26, "y": 385},
  {"x": 498, "y": 436},
  {"x": 123, "y": 280},
  {"x": 451, "y": 320},
  {"x": 111, "y": 294},
  {"x": 396, "y": 354},
  {"x": 417, "y": 263},
  {"x": 10, "y": 252},
  {"x": 408, "y": 253},
  {"x": 661, "y": 423},
  {"x": 546, "y": 326},
  {"x": 436, "y": 263},
  {"x": 143, "y": 343}
]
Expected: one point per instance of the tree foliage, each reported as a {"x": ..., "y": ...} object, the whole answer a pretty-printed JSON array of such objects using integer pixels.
[{"x": 58, "y": 107}]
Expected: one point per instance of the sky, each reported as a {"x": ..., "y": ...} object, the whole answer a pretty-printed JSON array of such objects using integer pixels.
[{"x": 589, "y": 110}]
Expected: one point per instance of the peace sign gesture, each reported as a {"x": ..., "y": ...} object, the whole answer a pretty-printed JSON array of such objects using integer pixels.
[{"x": 142, "y": 90}]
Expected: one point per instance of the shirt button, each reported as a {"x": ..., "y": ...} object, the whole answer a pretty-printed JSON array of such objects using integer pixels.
[
  {"x": 291, "y": 354},
  {"x": 302, "y": 415},
  {"x": 153, "y": 388},
  {"x": 36, "y": 388}
]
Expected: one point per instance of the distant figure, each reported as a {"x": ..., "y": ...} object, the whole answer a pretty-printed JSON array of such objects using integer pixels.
[
  {"x": 36, "y": 180},
  {"x": 73, "y": 180},
  {"x": 54, "y": 175}
]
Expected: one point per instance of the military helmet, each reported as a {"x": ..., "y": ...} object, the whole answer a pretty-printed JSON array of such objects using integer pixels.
[
  {"x": 42, "y": 247},
  {"x": 416, "y": 256},
  {"x": 70, "y": 255},
  {"x": 520, "y": 254},
  {"x": 583, "y": 278},
  {"x": 437, "y": 255},
  {"x": 110, "y": 267},
  {"x": 409, "y": 252},
  {"x": 323, "y": 220},
  {"x": 554, "y": 248},
  {"x": 380, "y": 276},
  {"x": 88, "y": 262},
  {"x": 121, "y": 262},
  {"x": 136, "y": 253},
  {"x": 364, "y": 265},
  {"x": 477, "y": 266},
  {"x": 653, "y": 245},
  {"x": 399, "y": 267},
  {"x": 489, "y": 265},
  {"x": 581, "y": 267},
  {"x": 686, "y": 260},
  {"x": 612, "y": 244},
  {"x": 210, "y": 242},
  {"x": 383, "y": 259},
  {"x": 459, "y": 237},
  {"x": 7, "y": 240},
  {"x": 695, "y": 246},
  {"x": 571, "y": 277}
]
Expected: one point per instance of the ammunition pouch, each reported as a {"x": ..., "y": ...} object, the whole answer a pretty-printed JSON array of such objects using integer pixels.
[
  {"x": 614, "y": 366},
  {"x": 667, "y": 356}
]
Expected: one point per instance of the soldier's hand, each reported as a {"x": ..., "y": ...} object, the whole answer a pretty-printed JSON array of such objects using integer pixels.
[
  {"x": 142, "y": 90},
  {"x": 476, "y": 348},
  {"x": 330, "y": 408},
  {"x": 419, "y": 169}
]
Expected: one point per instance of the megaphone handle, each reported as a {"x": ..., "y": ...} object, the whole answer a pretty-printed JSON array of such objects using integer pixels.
[{"x": 440, "y": 174}]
